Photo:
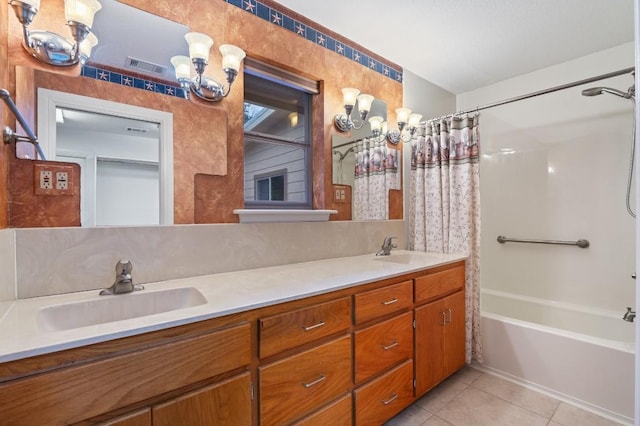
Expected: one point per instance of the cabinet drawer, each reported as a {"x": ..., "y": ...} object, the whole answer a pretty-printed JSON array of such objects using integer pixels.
[
  {"x": 299, "y": 384},
  {"x": 338, "y": 413},
  {"x": 383, "y": 345},
  {"x": 225, "y": 403},
  {"x": 382, "y": 301},
  {"x": 69, "y": 395},
  {"x": 291, "y": 329},
  {"x": 439, "y": 284},
  {"x": 385, "y": 397}
]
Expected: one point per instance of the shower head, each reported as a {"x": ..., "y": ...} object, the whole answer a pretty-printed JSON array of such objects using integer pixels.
[{"x": 594, "y": 91}]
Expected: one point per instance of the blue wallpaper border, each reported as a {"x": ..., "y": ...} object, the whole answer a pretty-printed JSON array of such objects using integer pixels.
[
  {"x": 281, "y": 19},
  {"x": 97, "y": 73},
  {"x": 267, "y": 13}
]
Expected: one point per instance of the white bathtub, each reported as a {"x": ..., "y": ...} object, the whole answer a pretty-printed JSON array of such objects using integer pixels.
[{"x": 583, "y": 356}]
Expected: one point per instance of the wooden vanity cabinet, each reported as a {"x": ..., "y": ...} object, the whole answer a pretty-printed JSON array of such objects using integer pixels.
[
  {"x": 439, "y": 327},
  {"x": 355, "y": 356},
  {"x": 143, "y": 369}
]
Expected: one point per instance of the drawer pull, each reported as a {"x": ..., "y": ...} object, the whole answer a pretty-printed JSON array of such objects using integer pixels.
[
  {"x": 394, "y": 396},
  {"x": 391, "y": 346},
  {"x": 450, "y": 315},
  {"x": 315, "y": 382},
  {"x": 390, "y": 302},
  {"x": 311, "y": 327},
  {"x": 444, "y": 318}
]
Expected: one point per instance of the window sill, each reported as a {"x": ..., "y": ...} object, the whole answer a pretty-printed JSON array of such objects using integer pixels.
[{"x": 282, "y": 215}]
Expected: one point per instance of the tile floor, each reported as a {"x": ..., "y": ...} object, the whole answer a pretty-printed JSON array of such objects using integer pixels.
[{"x": 473, "y": 398}]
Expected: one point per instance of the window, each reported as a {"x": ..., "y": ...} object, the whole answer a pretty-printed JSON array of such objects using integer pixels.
[
  {"x": 277, "y": 141},
  {"x": 271, "y": 187}
]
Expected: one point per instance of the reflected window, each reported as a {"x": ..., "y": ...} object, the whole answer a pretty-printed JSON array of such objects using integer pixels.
[
  {"x": 271, "y": 187},
  {"x": 277, "y": 142}
]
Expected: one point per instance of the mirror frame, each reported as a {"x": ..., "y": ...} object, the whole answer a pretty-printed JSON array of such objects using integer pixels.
[{"x": 48, "y": 100}]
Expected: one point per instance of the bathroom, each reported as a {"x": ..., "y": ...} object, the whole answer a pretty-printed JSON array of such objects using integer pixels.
[{"x": 210, "y": 178}]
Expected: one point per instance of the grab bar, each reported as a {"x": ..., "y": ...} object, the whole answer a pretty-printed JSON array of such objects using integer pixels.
[{"x": 580, "y": 243}]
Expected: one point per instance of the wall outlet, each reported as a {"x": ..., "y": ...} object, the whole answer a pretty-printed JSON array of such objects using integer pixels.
[
  {"x": 62, "y": 181},
  {"x": 46, "y": 179},
  {"x": 52, "y": 179}
]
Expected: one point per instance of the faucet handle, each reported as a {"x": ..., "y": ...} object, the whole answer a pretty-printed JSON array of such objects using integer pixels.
[{"x": 124, "y": 267}]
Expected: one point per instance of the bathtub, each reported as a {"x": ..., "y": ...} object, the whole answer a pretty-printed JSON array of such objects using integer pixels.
[{"x": 579, "y": 355}]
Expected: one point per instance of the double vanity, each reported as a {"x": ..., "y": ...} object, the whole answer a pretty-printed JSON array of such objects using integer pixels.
[{"x": 350, "y": 340}]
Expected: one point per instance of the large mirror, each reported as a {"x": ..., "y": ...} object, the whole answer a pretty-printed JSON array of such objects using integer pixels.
[{"x": 199, "y": 131}]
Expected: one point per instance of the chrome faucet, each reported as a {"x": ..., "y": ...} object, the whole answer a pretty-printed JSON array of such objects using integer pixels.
[
  {"x": 124, "y": 280},
  {"x": 387, "y": 245},
  {"x": 630, "y": 315}
]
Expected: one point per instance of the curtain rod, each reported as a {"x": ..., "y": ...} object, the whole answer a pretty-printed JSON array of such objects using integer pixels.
[{"x": 540, "y": 92}]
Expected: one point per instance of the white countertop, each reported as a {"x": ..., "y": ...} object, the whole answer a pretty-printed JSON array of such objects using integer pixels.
[{"x": 22, "y": 336}]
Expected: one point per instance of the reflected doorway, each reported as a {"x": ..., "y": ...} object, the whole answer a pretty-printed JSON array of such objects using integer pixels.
[{"x": 125, "y": 154}]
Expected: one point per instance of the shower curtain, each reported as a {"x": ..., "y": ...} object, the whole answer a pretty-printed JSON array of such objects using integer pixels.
[
  {"x": 444, "y": 204},
  {"x": 376, "y": 172}
]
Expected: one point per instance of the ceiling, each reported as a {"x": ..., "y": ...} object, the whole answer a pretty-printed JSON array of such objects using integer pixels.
[{"x": 461, "y": 45}]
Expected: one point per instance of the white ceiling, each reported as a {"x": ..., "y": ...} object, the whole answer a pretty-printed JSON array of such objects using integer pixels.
[{"x": 461, "y": 45}]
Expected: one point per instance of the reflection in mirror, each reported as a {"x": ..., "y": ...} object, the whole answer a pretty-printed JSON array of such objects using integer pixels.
[
  {"x": 370, "y": 167},
  {"x": 138, "y": 41},
  {"x": 125, "y": 155},
  {"x": 343, "y": 147}
]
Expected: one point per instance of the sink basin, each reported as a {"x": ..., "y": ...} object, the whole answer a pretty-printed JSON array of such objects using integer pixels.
[
  {"x": 406, "y": 258},
  {"x": 117, "y": 307}
]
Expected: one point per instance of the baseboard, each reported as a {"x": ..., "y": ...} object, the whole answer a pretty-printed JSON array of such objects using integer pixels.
[{"x": 615, "y": 417}]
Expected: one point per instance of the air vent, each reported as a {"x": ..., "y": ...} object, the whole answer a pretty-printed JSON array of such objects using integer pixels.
[
  {"x": 145, "y": 66},
  {"x": 136, "y": 130}
]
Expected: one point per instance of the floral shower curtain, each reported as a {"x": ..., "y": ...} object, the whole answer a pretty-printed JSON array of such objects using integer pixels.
[
  {"x": 444, "y": 208},
  {"x": 376, "y": 172}
]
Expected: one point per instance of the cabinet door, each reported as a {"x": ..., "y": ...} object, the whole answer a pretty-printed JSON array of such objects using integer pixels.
[
  {"x": 429, "y": 343},
  {"x": 455, "y": 331},
  {"x": 225, "y": 403}
]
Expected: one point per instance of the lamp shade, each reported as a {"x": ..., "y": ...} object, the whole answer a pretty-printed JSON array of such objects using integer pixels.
[
  {"x": 81, "y": 11},
  {"x": 87, "y": 45},
  {"x": 199, "y": 45},
  {"x": 232, "y": 56},
  {"x": 376, "y": 124},
  {"x": 414, "y": 120},
  {"x": 364, "y": 103},
  {"x": 182, "y": 66},
  {"x": 402, "y": 115},
  {"x": 349, "y": 95}
]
